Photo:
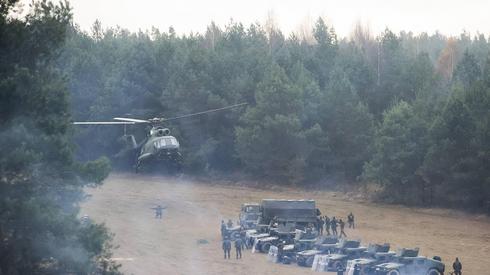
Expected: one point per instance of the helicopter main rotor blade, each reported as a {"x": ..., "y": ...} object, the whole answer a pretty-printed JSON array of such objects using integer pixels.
[
  {"x": 205, "y": 112},
  {"x": 102, "y": 122},
  {"x": 134, "y": 120}
]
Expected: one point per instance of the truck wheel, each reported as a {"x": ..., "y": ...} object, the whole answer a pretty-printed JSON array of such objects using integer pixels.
[
  {"x": 393, "y": 272},
  {"x": 300, "y": 262},
  {"x": 433, "y": 272},
  {"x": 365, "y": 270},
  {"x": 337, "y": 265},
  {"x": 265, "y": 248},
  {"x": 309, "y": 261}
]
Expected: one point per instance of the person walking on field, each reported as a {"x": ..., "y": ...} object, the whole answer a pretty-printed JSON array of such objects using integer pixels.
[
  {"x": 342, "y": 226},
  {"x": 327, "y": 225},
  {"x": 227, "y": 247},
  {"x": 238, "y": 247},
  {"x": 350, "y": 220},
  {"x": 457, "y": 266}
]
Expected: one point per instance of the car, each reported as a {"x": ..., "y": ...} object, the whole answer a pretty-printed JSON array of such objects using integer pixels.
[
  {"x": 375, "y": 254},
  {"x": 408, "y": 262},
  {"x": 328, "y": 244},
  {"x": 306, "y": 257},
  {"x": 321, "y": 246},
  {"x": 254, "y": 240},
  {"x": 288, "y": 254},
  {"x": 263, "y": 244},
  {"x": 346, "y": 250}
]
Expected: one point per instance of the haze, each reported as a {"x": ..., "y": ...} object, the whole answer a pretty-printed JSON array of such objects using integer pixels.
[{"x": 448, "y": 17}]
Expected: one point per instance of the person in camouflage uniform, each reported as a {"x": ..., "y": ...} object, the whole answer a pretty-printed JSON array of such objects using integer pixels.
[
  {"x": 333, "y": 226},
  {"x": 342, "y": 226},
  {"x": 327, "y": 225},
  {"x": 227, "y": 247},
  {"x": 350, "y": 220},
  {"x": 238, "y": 248}
]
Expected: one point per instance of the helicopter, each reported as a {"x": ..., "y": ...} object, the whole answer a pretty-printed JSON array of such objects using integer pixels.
[{"x": 159, "y": 146}]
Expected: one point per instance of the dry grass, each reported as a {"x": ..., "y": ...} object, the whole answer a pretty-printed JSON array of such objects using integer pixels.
[{"x": 174, "y": 245}]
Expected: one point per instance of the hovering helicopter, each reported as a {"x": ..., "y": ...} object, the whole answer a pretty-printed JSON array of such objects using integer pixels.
[{"x": 159, "y": 146}]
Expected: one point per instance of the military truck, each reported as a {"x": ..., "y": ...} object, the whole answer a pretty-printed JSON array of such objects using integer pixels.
[
  {"x": 249, "y": 215},
  {"x": 408, "y": 262},
  {"x": 300, "y": 212},
  {"x": 375, "y": 254},
  {"x": 273, "y": 212}
]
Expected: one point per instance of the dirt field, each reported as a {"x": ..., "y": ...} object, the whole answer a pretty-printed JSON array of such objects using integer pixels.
[{"x": 195, "y": 209}]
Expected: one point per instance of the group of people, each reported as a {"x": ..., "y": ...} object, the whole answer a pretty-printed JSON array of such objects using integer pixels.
[
  {"x": 326, "y": 224},
  {"x": 227, "y": 242},
  {"x": 323, "y": 223}
]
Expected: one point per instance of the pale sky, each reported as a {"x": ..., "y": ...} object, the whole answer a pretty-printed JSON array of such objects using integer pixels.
[{"x": 450, "y": 17}]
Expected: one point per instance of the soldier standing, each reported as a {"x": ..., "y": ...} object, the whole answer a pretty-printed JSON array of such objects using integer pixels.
[
  {"x": 350, "y": 220},
  {"x": 457, "y": 266},
  {"x": 243, "y": 237},
  {"x": 357, "y": 269},
  {"x": 230, "y": 223},
  {"x": 333, "y": 225},
  {"x": 342, "y": 226},
  {"x": 340, "y": 270},
  {"x": 320, "y": 226},
  {"x": 227, "y": 247},
  {"x": 223, "y": 229},
  {"x": 158, "y": 211},
  {"x": 327, "y": 225},
  {"x": 280, "y": 249},
  {"x": 238, "y": 247}
]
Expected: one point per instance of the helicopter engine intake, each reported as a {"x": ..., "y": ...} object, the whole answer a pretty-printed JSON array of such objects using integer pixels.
[{"x": 160, "y": 132}]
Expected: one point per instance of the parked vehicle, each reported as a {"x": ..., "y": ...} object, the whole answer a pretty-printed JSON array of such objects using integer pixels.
[
  {"x": 375, "y": 254},
  {"x": 346, "y": 250},
  {"x": 407, "y": 262}
]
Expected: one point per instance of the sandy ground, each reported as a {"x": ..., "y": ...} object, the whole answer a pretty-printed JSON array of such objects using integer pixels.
[{"x": 195, "y": 209}]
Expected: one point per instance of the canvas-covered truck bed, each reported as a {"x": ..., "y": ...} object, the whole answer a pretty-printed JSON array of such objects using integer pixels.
[{"x": 300, "y": 211}]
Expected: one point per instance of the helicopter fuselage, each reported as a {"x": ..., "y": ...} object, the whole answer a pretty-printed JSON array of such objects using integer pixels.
[{"x": 158, "y": 148}]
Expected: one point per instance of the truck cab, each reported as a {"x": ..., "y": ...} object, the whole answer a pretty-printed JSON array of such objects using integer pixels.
[{"x": 250, "y": 214}]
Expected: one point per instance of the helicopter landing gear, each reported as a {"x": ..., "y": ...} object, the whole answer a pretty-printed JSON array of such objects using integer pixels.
[
  {"x": 156, "y": 166},
  {"x": 137, "y": 168}
]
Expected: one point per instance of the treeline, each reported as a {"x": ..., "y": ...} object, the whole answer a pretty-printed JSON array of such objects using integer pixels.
[
  {"x": 409, "y": 112},
  {"x": 40, "y": 183}
]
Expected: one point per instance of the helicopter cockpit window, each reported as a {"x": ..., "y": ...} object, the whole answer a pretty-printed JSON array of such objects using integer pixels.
[{"x": 164, "y": 142}]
